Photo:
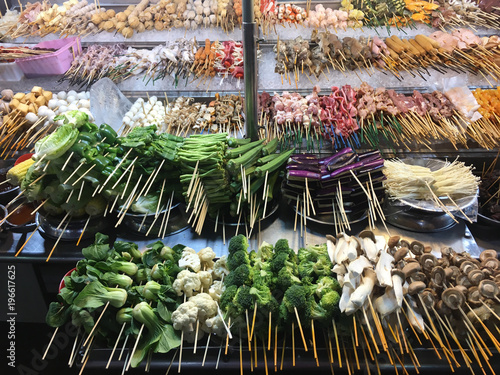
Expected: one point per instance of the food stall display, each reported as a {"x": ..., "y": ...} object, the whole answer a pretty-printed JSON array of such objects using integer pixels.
[{"x": 351, "y": 288}]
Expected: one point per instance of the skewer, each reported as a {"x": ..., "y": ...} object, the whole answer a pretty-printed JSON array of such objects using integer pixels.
[
  {"x": 31, "y": 235},
  {"x": 206, "y": 350},
  {"x": 300, "y": 328},
  {"x": 253, "y": 319},
  {"x": 50, "y": 343},
  {"x": 58, "y": 239},
  {"x": 265, "y": 356},
  {"x": 293, "y": 343},
  {"x": 337, "y": 342},
  {"x": 248, "y": 331},
  {"x": 116, "y": 344}
]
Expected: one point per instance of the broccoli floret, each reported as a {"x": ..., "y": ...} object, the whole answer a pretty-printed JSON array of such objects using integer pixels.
[
  {"x": 227, "y": 297},
  {"x": 265, "y": 251},
  {"x": 241, "y": 275},
  {"x": 261, "y": 294},
  {"x": 286, "y": 279},
  {"x": 236, "y": 259},
  {"x": 323, "y": 266},
  {"x": 296, "y": 296},
  {"x": 243, "y": 299},
  {"x": 318, "y": 312},
  {"x": 316, "y": 251},
  {"x": 237, "y": 243},
  {"x": 283, "y": 314},
  {"x": 330, "y": 302},
  {"x": 303, "y": 255},
  {"x": 280, "y": 260},
  {"x": 281, "y": 246},
  {"x": 327, "y": 284},
  {"x": 253, "y": 257},
  {"x": 263, "y": 277},
  {"x": 306, "y": 270}
]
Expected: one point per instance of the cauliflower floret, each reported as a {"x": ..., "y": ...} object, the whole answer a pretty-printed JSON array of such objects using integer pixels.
[
  {"x": 207, "y": 256},
  {"x": 184, "y": 317},
  {"x": 190, "y": 259},
  {"x": 207, "y": 307},
  {"x": 206, "y": 279},
  {"x": 187, "y": 282},
  {"x": 214, "y": 325},
  {"x": 216, "y": 290},
  {"x": 220, "y": 267}
]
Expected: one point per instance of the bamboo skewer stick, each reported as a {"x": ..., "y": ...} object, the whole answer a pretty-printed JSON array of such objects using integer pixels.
[{"x": 50, "y": 343}]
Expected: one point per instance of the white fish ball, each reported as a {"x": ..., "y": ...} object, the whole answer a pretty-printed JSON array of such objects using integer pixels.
[
  {"x": 42, "y": 110},
  {"x": 72, "y": 93},
  {"x": 62, "y": 109},
  {"x": 31, "y": 117},
  {"x": 71, "y": 98},
  {"x": 81, "y": 95},
  {"x": 52, "y": 103},
  {"x": 62, "y": 95}
]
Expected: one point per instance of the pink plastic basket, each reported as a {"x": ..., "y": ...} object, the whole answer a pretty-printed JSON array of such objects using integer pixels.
[{"x": 51, "y": 63}]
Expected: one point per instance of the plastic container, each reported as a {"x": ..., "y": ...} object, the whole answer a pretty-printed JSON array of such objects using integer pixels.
[
  {"x": 10, "y": 72},
  {"x": 54, "y": 63}
]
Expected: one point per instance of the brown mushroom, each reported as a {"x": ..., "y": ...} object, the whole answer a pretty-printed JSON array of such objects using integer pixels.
[
  {"x": 411, "y": 268},
  {"x": 467, "y": 266},
  {"x": 393, "y": 241},
  {"x": 438, "y": 275},
  {"x": 400, "y": 254},
  {"x": 419, "y": 276},
  {"x": 463, "y": 289},
  {"x": 448, "y": 272},
  {"x": 456, "y": 272},
  {"x": 474, "y": 296},
  {"x": 492, "y": 263},
  {"x": 447, "y": 251},
  {"x": 458, "y": 260},
  {"x": 369, "y": 234},
  {"x": 462, "y": 279},
  {"x": 416, "y": 287},
  {"x": 429, "y": 297},
  {"x": 428, "y": 262},
  {"x": 417, "y": 247},
  {"x": 489, "y": 253},
  {"x": 443, "y": 262},
  {"x": 488, "y": 272},
  {"x": 453, "y": 298},
  {"x": 488, "y": 288},
  {"x": 427, "y": 249},
  {"x": 404, "y": 243},
  {"x": 475, "y": 276}
]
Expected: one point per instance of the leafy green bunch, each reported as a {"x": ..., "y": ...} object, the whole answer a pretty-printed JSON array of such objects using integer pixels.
[{"x": 126, "y": 286}]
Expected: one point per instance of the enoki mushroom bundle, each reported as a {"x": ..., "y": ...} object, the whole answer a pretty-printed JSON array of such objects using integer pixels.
[{"x": 454, "y": 180}]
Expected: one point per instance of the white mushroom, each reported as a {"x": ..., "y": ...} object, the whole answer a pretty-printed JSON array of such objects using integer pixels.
[
  {"x": 345, "y": 297},
  {"x": 386, "y": 303},
  {"x": 398, "y": 278},
  {"x": 359, "y": 296},
  {"x": 357, "y": 266},
  {"x": 340, "y": 254},
  {"x": 368, "y": 243},
  {"x": 383, "y": 269},
  {"x": 339, "y": 269},
  {"x": 352, "y": 280}
]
